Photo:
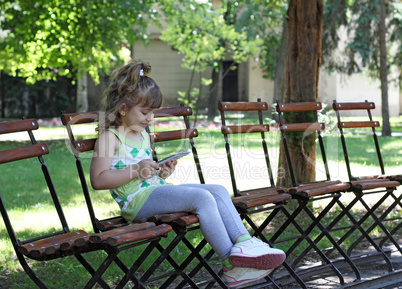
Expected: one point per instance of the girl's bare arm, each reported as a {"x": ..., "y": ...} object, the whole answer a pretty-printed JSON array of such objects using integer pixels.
[{"x": 102, "y": 177}]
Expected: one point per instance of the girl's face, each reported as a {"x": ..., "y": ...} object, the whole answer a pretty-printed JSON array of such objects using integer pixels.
[{"x": 136, "y": 118}]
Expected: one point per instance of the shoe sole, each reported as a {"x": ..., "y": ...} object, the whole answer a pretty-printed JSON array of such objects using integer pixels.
[
  {"x": 245, "y": 282},
  {"x": 263, "y": 262}
]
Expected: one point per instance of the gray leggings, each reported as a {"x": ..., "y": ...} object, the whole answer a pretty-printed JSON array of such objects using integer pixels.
[{"x": 219, "y": 221}]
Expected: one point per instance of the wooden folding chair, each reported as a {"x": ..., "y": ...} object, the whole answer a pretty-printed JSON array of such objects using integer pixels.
[
  {"x": 381, "y": 185},
  {"x": 63, "y": 242},
  {"x": 182, "y": 223},
  {"x": 268, "y": 201},
  {"x": 307, "y": 193}
]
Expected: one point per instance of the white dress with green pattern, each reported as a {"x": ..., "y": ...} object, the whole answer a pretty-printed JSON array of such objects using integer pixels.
[{"x": 132, "y": 195}]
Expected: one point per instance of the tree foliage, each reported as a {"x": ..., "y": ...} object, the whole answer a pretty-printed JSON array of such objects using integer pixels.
[
  {"x": 360, "y": 19},
  {"x": 45, "y": 38},
  {"x": 204, "y": 36}
]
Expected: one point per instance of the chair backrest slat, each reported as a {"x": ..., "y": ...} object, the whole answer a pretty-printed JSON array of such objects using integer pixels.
[
  {"x": 242, "y": 106},
  {"x": 173, "y": 135},
  {"x": 298, "y": 106},
  {"x": 19, "y": 126},
  {"x": 303, "y": 126},
  {"x": 79, "y": 118},
  {"x": 357, "y": 124},
  {"x": 173, "y": 111},
  {"x": 353, "y": 105},
  {"x": 25, "y": 152},
  {"x": 232, "y": 129},
  {"x": 84, "y": 145}
]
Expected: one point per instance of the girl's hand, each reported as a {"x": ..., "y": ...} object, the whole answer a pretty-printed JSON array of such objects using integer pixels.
[
  {"x": 146, "y": 168},
  {"x": 167, "y": 169}
]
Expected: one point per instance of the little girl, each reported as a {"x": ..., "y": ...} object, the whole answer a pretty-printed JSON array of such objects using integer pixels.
[{"x": 122, "y": 163}]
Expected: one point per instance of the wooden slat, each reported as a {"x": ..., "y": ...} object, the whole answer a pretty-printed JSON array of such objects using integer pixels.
[
  {"x": 84, "y": 145},
  {"x": 279, "y": 190},
  {"x": 79, "y": 242},
  {"x": 368, "y": 180},
  {"x": 376, "y": 185},
  {"x": 79, "y": 118},
  {"x": 242, "y": 106},
  {"x": 356, "y": 124},
  {"x": 303, "y": 126},
  {"x": 353, "y": 105},
  {"x": 237, "y": 200},
  {"x": 100, "y": 237},
  {"x": 245, "y": 128},
  {"x": 167, "y": 218},
  {"x": 173, "y": 111},
  {"x": 173, "y": 135},
  {"x": 324, "y": 190},
  {"x": 111, "y": 223},
  {"x": 25, "y": 152},
  {"x": 298, "y": 106},
  {"x": 264, "y": 200},
  {"x": 187, "y": 220},
  {"x": 18, "y": 126},
  {"x": 42, "y": 244},
  {"x": 303, "y": 187},
  {"x": 131, "y": 237}
]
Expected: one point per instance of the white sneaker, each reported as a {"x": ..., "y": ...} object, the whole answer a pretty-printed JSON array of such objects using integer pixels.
[
  {"x": 253, "y": 253},
  {"x": 241, "y": 276}
]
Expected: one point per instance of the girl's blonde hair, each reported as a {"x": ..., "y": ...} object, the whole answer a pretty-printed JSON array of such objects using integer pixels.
[{"x": 129, "y": 85}]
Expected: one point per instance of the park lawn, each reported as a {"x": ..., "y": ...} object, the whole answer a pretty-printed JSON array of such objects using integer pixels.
[{"x": 28, "y": 194}]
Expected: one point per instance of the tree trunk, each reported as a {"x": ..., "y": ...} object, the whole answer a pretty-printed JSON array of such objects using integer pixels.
[
  {"x": 213, "y": 95},
  {"x": 279, "y": 83},
  {"x": 302, "y": 66},
  {"x": 82, "y": 94},
  {"x": 3, "y": 97},
  {"x": 386, "y": 127}
]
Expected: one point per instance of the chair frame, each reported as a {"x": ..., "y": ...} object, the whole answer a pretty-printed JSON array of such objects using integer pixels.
[
  {"x": 64, "y": 242},
  {"x": 367, "y": 185},
  {"x": 306, "y": 193},
  {"x": 256, "y": 200},
  {"x": 188, "y": 222},
  {"x": 182, "y": 223}
]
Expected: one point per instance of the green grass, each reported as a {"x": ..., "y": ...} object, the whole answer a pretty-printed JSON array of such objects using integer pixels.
[{"x": 29, "y": 205}]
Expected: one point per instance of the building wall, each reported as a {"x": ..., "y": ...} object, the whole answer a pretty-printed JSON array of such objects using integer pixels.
[
  {"x": 166, "y": 69},
  {"x": 259, "y": 87},
  {"x": 172, "y": 77},
  {"x": 357, "y": 88}
]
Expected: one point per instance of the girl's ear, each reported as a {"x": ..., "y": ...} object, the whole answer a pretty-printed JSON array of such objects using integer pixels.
[{"x": 123, "y": 109}]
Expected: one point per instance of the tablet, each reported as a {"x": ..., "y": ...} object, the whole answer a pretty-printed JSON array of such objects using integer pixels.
[{"x": 173, "y": 157}]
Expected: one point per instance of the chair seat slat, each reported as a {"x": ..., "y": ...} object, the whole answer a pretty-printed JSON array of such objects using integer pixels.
[
  {"x": 42, "y": 244},
  {"x": 100, "y": 237},
  {"x": 130, "y": 237}
]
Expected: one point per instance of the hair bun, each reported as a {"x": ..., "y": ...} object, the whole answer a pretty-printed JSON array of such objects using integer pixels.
[{"x": 146, "y": 69}]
